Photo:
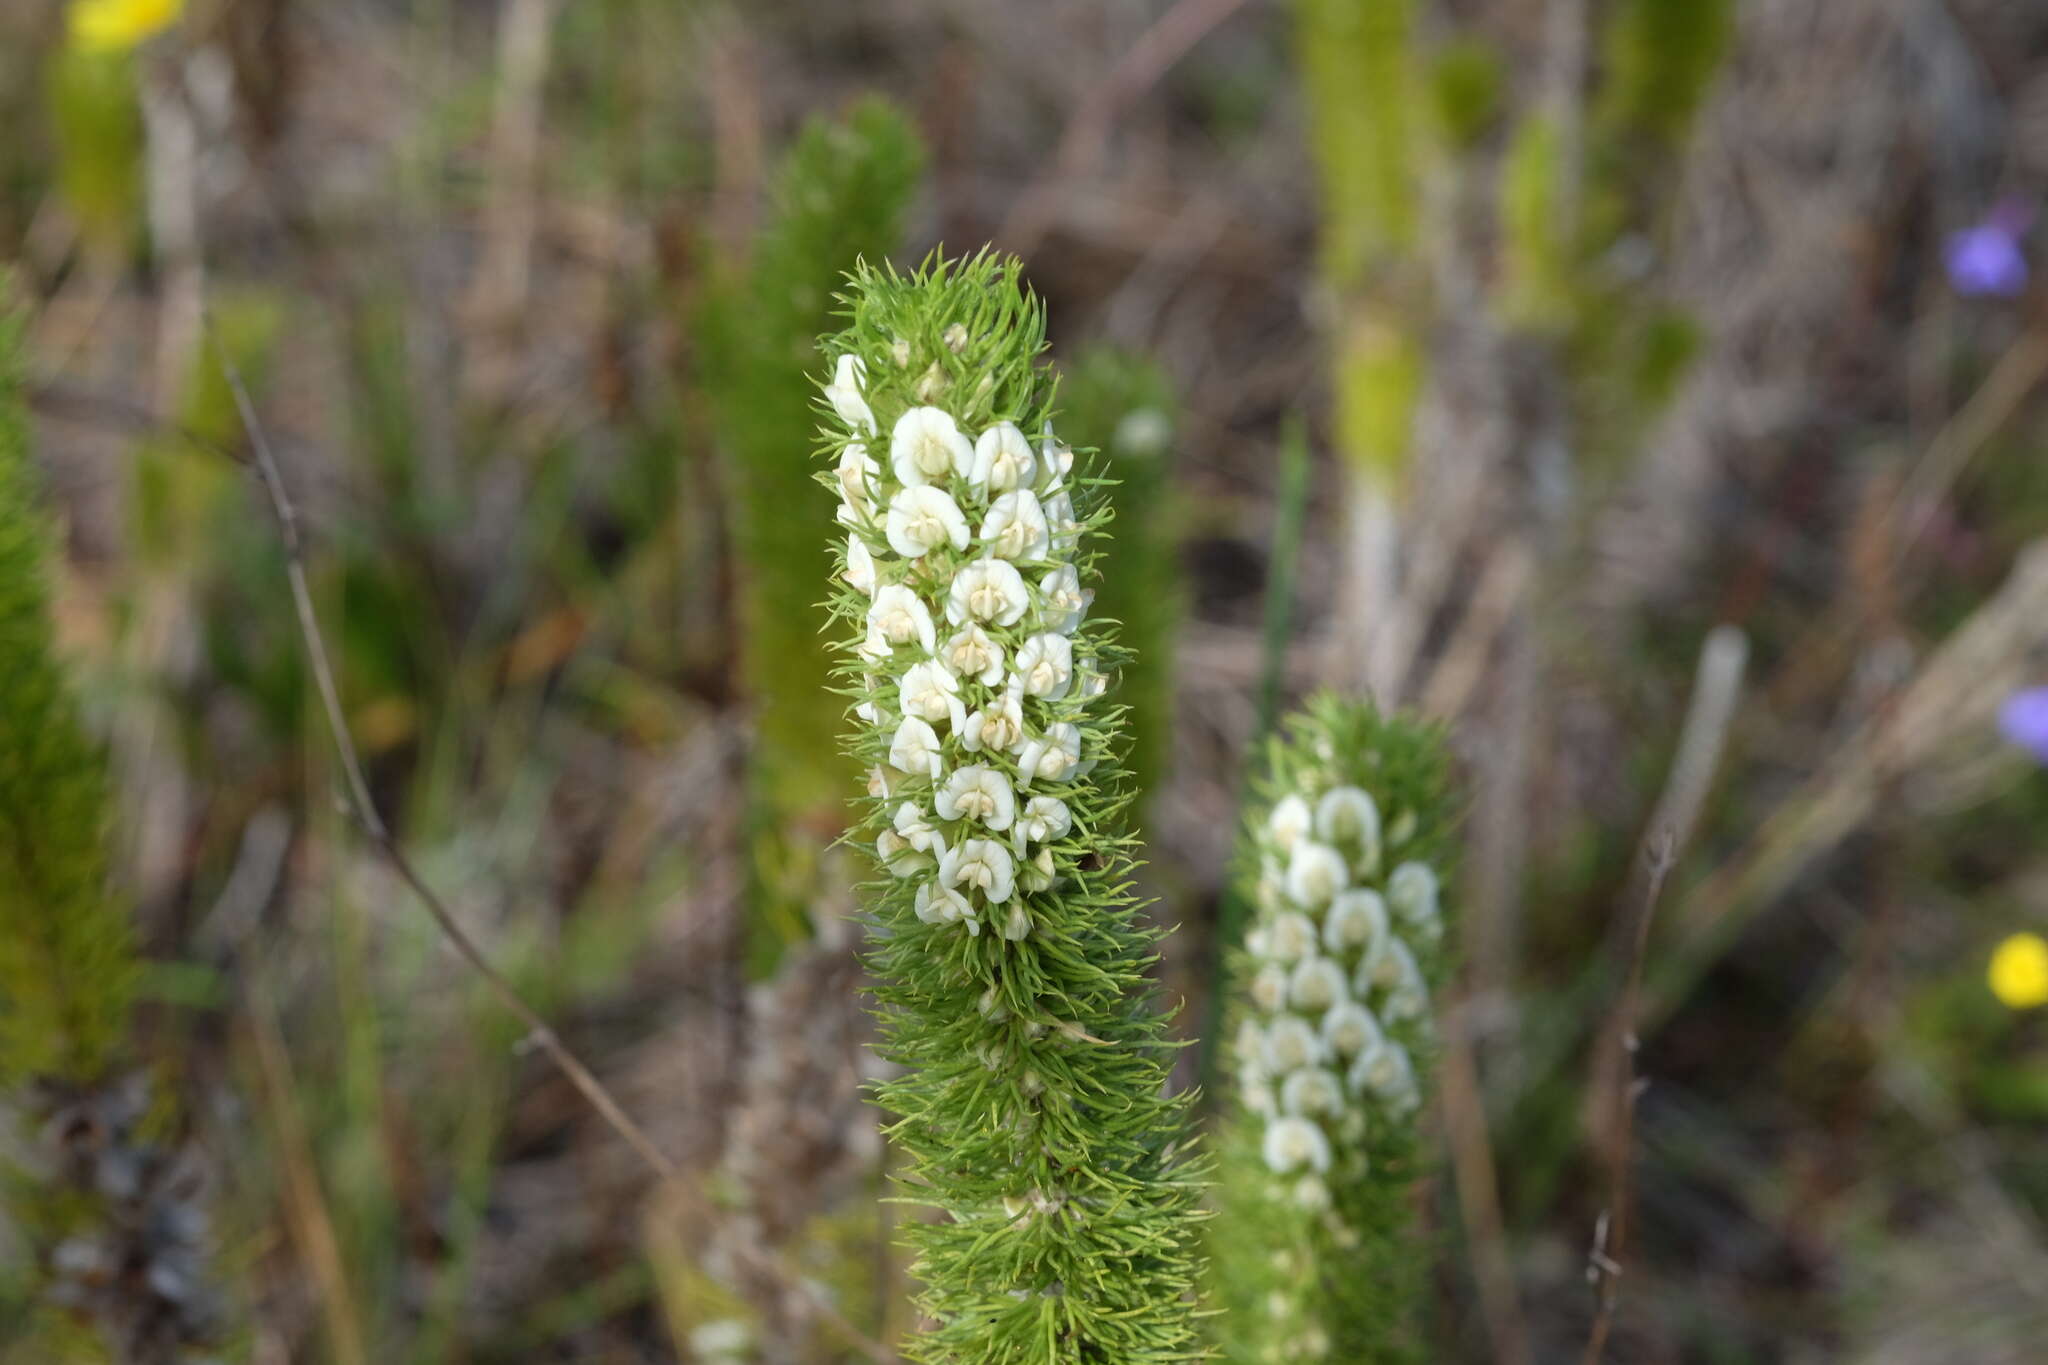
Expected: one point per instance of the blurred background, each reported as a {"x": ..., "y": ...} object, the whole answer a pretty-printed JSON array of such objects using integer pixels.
[{"x": 1653, "y": 390}]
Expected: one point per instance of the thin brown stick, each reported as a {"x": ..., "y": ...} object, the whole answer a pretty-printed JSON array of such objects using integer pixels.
[
  {"x": 1610, "y": 1233},
  {"x": 364, "y": 811},
  {"x": 1478, "y": 1184}
]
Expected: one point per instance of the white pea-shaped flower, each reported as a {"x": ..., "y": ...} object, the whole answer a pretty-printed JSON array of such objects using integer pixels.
[
  {"x": 1044, "y": 818},
  {"x": 1269, "y": 987},
  {"x": 1294, "y": 1143},
  {"x": 998, "y": 726},
  {"x": 1349, "y": 1029},
  {"x": 860, "y": 567},
  {"x": 1292, "y": 937},
  {"x": 1387, "y": 1072},
  {"x": 1288, "y": 821},
  {"x": 1249, "y": 1049},
  {"x": 989, "y": 591},
  {"x": 978, "y": 793},
  {"x": 1015, "y": 528},
  {"x": 1349, "y": 818},
  {"x": 1017, "y": 924},
  {"x": 914, "y": 749},
  {"x": 1037, "y": 873},
  {"x": 973, "y": 653},
  {"x": 921, "y": 519},
  {"x": 1315, "y": 874},
  {"x": 1057, "y": 461},
  {"x": 1002, "y": 460},
  {"x": 1045, "y": 666},
  {"x": 1316, "y": 984},
  {"x": 1052, "y": 756},
  {"x": 930, "y": 692},
  {"x": 1064, "y": 604},
  {"x": 1312, "y": 1091},
  {"x": 899, "y": 616},
  {"x": 844, "y": 393},
  {"x": 1064, "y": 530},
  {"x": 1412, "y": 894},
  {"x": 1291, "y": 1045},
  {"x": 1356, "y": 920},
  {"x": 982, "y": 865},
  {"x": 926, "y": 447},
  {"x": 899, "y": 857},
  {"x": 856, "y": 472},
  {"x": 938, "y": 904}
]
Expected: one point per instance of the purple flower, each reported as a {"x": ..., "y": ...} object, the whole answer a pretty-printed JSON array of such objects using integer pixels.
[
  {"x": 2024, "y": 719},
  {"x": 1985, "y": 260}
]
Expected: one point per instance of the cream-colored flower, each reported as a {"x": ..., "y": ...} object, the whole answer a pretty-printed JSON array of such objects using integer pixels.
[
  {"x": 1315, "y": 985},
  {"x": 1063, "y": 603},
  {"x": 1292, "y": 1143},
  {"x": 1291, "y": 937},
  {"x": 1061, "y": 527},
  {"x": 1052, "y": 756},
  {"x": 997, "y": 726},
  {"x": 1315, "y": 874},
  {"x": 981, "y": 864},
  {"x": 1249, "y": 1049},
  {"x": 1015, "y": 528},
  {"x": 844, "y": 394},
  {"x": 989, "y": 591},
  {"x": 914, "y": 749},
  {"x": 857, "y": 472},
  {"x": 860, "y": 567},
  {"x": 1348, "y": 817},
  {"x": 1291, "y": 1045},
  {"x": 1017, "y": 926},
  {"x": 1387, "y": 1072},
  {"x": 1045, "y": 818},
  {"x": 1408, "y": 991},
  {"x": 937, "y": 904},
  {"x": 973, "y": 653},
  {"x": 926, "y": 447},
  {"x": 899, "y": 616},
  {"x": 1057, "y": 461},
  {"x": 1002, "y": 460},
  {"x": 929, "y": 691},
  {"x": 1289, "y": 821},
  {"x": 1045, "y": 665},
  {"x": 1349, "y": 1029},
  {"x": 922, "y": 519},
  {"x": 1269, "y": 987},
  {"x": 1037, "y": 873},
  {"x": 1312, "y": 1091},
  {"x": 1357, "y": 919},
  {"x": 1412, "y": 894},
  {"x": 979, "y": 793},
  {"x": 879, "y": 781},
  {"x": 920, "y": 833}
]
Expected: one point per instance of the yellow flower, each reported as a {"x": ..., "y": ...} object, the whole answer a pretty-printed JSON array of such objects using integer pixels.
[
  {"x": 2019, "y": 971},
  {"x": 117, "y": 25}
]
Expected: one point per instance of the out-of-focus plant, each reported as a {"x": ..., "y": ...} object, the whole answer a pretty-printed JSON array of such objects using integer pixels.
[
  {"x": 2019, "y": 971},
  {"x": 96, "y": 112},
  {"x": 110, "y": 26},
  {"x": 1346, "y": 855},
  {"x": 2024, "y": 721},
  {"x": 1033, "y": 1112},
  {"x": 112, "y": 1218},
  {"x": 840, "y": 198},
  {"x": 1127, "y": 403}
]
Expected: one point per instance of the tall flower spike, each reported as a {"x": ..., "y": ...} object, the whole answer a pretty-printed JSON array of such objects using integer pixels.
[
  {"x": 1010, "y": 964},
  {"x": 1347, "y": 854}
]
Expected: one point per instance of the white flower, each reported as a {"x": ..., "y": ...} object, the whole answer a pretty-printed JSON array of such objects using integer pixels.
[
  {"x": 1350, "y": 1029},
  {"x": 1094, "y": 682},
  {"x": 875, "y": 648},
  {"x": 899, "y": 857},
  {"x": 1412, "y": 894},
  {"x": 1054, "y": 755},
  {"x": 1407, "y": 991},
  {"x": 1064, "y": 604},
  {"x": 1046, "y": 665},
  {"x": 1292, "y": 1143},
  {"x": 1291, "y": 1045},
  {"x": 982, "y": 864},
  {"x": 998, "y": 726},
  {"x": 857, "y": 472},
  {"x": 1037, "y": 874},
  {"x": 915, "y": 830},
  {"x": 1387, "y": 1072},
  {"x": 1250, "y": 1051},
  {"x": 1269, "y": 987},
  {"x": 972, "y": 653},
  {"x": 1044, "y": 818},
  {"x": 1289, "y": 821},
  {"x": 936, "y": 904},
  {"x": 1017, "y": 927},
  {"x": 989, "y": 590},
  {"x": 1357, "y": 920},
  {"x": 1064, "y": 531},
  {"x": 1058, "y": 460},
  {"x": 1291, "y": 937},
  {"x": 1348, "y": 816},
  {"x": 1015, "y": 527},
  {"x": 898, "y": 616},
  {"x": 922, "y": 519},
  {"x": 914, "y": 749},
  {"x": 1257, "y": 1096},
  {"x": 929, "y": 691},
  {"x": 977, "y": 792},
  {"x": 860, "y": 566},
  {"x": 879, "y": 781},
  {"x": 1312, "y": 1090},
  {"x": 844, "y": 393},
  {"x": 1316, "y": 984},
  {"x": 927, "y": 447},
  {"x": 724, "y": 1336},
  {"x": 1315, "y": 874},
  {"x": 1002, "y": 460}
]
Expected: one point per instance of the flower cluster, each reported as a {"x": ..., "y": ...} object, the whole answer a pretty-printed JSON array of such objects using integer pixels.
[
  {"x": 1008, "y": 960},
  {"x": 1347, "y": 859},
  {"x": 961, "y": 544}
]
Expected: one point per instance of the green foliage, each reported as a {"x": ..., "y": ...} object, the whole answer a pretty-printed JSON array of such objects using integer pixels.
[
  {"x": 67, "y": 967},
  {"x": 1314, "y": 1250},
  {"x": 1660, "y": 59},
  {"x": 1359, "y": 70},
  {"x": 1538, "y": 252},
  {"x": 1032, "y": 1112},
  {"x": 840, "y": 198},
  {"x": 1465, "y": 81},
  {"x": 1130, "y": 401},
  {"x": 97, "y": 118}
]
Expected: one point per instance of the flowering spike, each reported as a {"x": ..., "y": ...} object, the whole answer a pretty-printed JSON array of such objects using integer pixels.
[
  {"x": 1346, "y": 853},
  {"x": 1011, "y": 967}
]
